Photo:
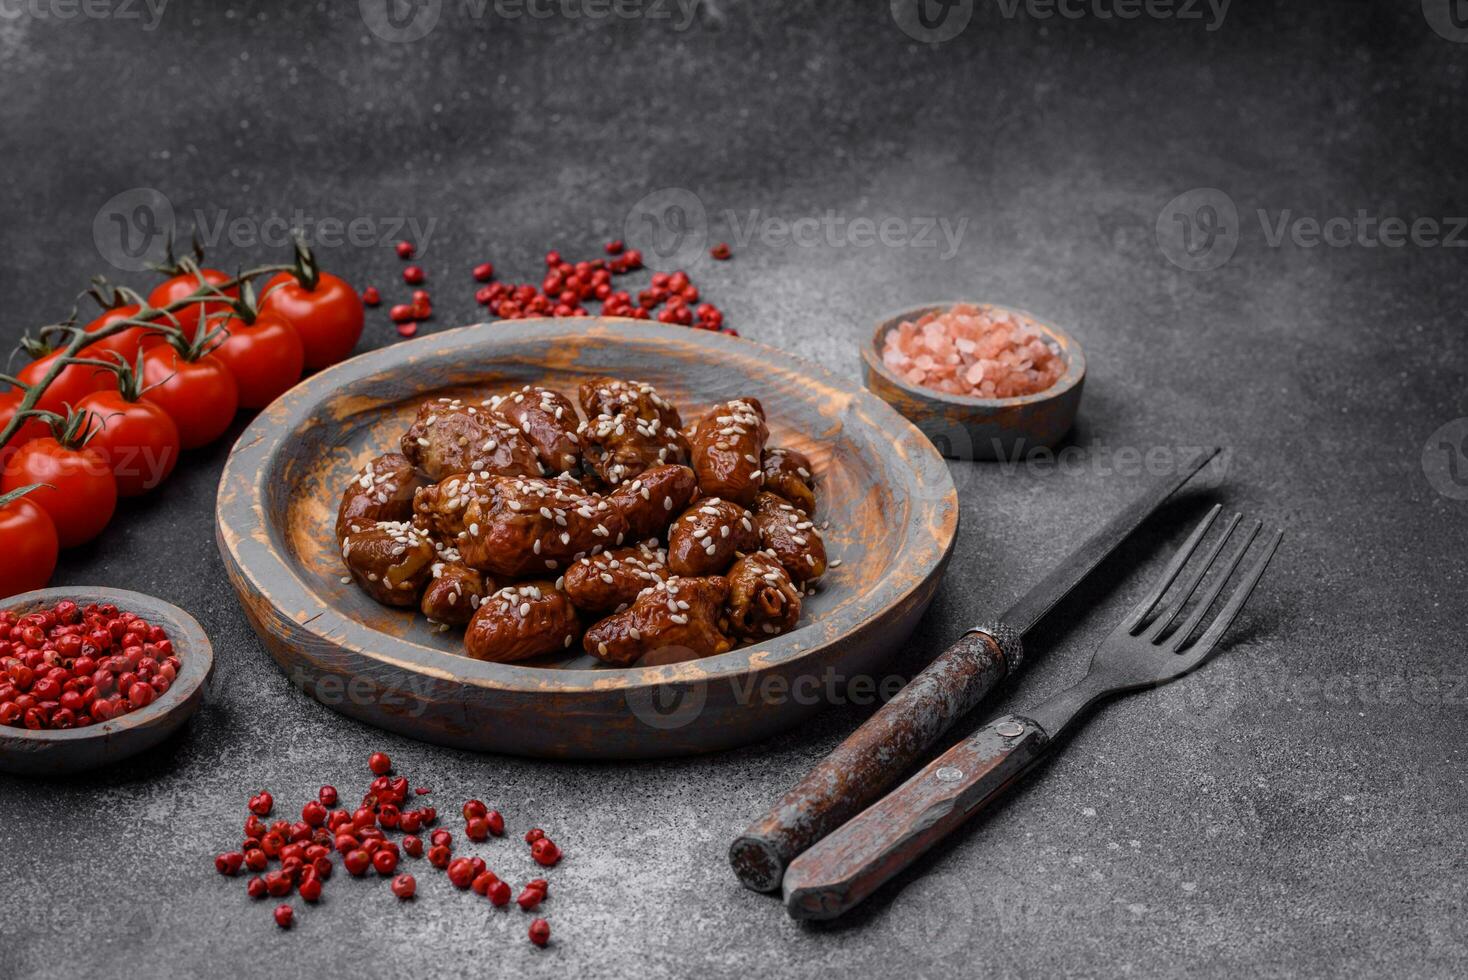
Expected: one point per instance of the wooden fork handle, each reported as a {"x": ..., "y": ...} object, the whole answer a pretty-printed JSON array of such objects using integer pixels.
[
  {"x": 842, "y": 870},
  {"x": 876, "y": 756}
]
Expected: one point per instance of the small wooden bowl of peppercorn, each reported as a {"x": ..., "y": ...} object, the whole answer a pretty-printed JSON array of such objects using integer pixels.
[
  {"x": 937, "y": 364},
  {"x": 56, "y": 751}
]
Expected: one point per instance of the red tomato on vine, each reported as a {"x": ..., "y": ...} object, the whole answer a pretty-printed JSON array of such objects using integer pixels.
[
  {"x": 79, "y": 492},
  {"x": 28, "y": 541},
  {"x": 29, "y": 429},
  {"x": 138, "y": 439},
  {"x": 195, "y": 389},
  {"x": 125, "y": 344},
  {"x": 325, "y": 310},
  {"x": 74, "y": 383},
  {"x": 187, "y": 281},
  {"x": 266, "y": 357}
]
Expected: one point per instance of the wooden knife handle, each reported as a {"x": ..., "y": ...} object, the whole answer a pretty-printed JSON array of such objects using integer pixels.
[
  {"x": 875, "y": 756},
  {"x": 840, "y": 871}
]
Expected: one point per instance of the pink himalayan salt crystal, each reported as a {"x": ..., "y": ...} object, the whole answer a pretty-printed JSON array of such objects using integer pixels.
[{"x": 979, "y": 351}]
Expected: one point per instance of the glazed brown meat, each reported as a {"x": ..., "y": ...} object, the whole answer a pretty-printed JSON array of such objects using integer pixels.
[
  {"x": 706, "y": 538},
  {"x": 522, "y": 621},
  {"x": 763, "y": 601},
  {"x": 612, "y": 397},
  {"x": 629, "y": 428},
  {"x": 440, "y": 506},
  {"x": 381, "y": 491},
  {"x": 451, "y": 437},
  {"x": 648, "y": 502},
  {"x": 390, "y": 560},
  {"x": 726, "y": 447},
  {"x": 788, "y": 474},
  {"x": 453, "y": 592},
  {"x": 789, "y": 533},
  {"x": 680, "y": 619},
  {"x": 548, "y": 421},
  {"x": 532, "y": 526},
  {"x": 612, "y": 579}
]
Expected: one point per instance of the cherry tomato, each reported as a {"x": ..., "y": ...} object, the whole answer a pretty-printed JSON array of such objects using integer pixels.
[
  {"x": 200, "y": 395},
  {"x": 29, "y": 429},
  {"x": 328, "y": 318},
  {"x": 72, "y": 385},
  {"x": 266, "y": 357},
  {"x": 81, "y": 493},
  {"x": 126, "y": 343},
  {"x": 137, "y": 439},
  {"x": 175, "y": 288},
  {"x": 28, "y": 540}
]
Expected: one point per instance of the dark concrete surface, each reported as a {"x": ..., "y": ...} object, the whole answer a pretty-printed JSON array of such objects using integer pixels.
[{"x": 1295, "y": 809}]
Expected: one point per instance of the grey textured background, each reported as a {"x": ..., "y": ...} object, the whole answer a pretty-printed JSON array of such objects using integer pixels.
[{"x": 1296, "y": 809}]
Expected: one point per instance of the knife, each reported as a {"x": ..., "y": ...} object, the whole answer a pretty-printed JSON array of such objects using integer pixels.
[{"x": 873, "y": 758}]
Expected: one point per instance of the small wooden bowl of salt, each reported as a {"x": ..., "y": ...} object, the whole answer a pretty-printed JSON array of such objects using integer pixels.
[{"x": 981, "y": 381}]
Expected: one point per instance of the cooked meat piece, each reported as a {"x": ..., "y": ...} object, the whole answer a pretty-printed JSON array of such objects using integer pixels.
[
  {"x": 649, "y": 502},
  {"x": 381, "y": 491},
  {"x": 450, "y": 437},
  {"x": 612, "y": 579},
  {"x": 707, "y": 537},
  {"x": 390, "y": 560},
  {"x": 679, "y": 619},
  {"x": 726, "y": 447},
  {"x": 612, "y": 397},
  {"x": 441, "y": 505},
  {"x": 548, "y": 421},
  {"x": 531, "y": 525},
  {"x": 453, "y": 592},
  {"x": 522, "y": 621},
  {"x": 617, "y": 448},
  {"x": 788, "y": 473},
  {"x": 629, "y": 428},
  {"x": 790, "y": 534},
  {"x": 763, "y": 601}
]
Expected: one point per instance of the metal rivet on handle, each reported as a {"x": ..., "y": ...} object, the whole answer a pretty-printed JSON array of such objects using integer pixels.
[
  {"x": 1009, "y": 729},
  {"x": 948, "y": 774}
]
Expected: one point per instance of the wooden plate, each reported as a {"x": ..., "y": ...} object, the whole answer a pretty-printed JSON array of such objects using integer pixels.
[
  {"x": 46, "y": 753},
  {"x": 891, "y": 505}
]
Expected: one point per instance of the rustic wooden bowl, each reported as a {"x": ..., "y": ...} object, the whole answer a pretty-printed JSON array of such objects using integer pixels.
[
  {"x": 888, "y": 496},
  {"x": 46, "y": 753},
  {"x": 982, "y": 428}
]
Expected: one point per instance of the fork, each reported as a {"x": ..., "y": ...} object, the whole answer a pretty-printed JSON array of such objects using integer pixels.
[{"x": 847, "y": 866}]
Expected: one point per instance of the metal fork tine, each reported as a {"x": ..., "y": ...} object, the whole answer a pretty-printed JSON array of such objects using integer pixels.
[
  {"x": 1144, "y": 608},
  {"x": 1181, "y": 636},
  {"x": 1200, "y": 570},
  {"x": 1236, "y": 603}
]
